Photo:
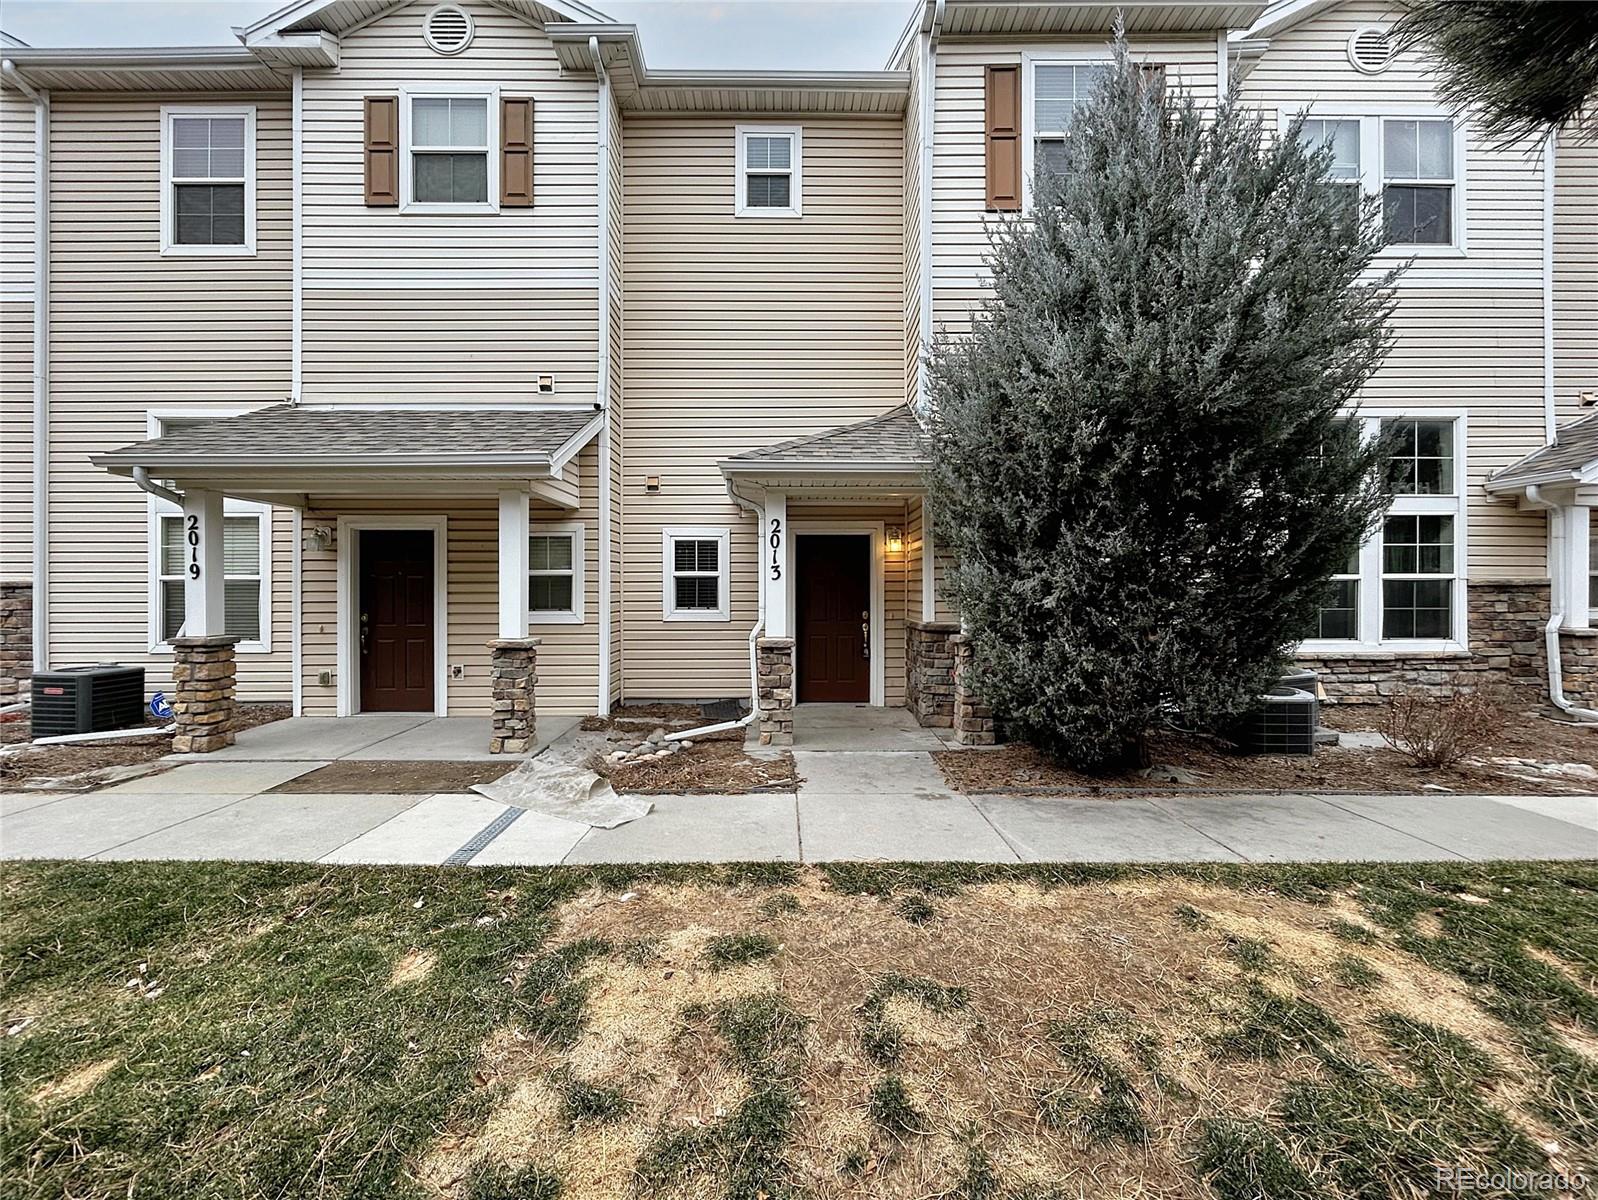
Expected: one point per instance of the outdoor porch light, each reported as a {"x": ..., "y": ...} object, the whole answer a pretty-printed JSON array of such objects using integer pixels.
[
  {"x": 319, "y": 538},
  {"x": 895, "y": 540}
]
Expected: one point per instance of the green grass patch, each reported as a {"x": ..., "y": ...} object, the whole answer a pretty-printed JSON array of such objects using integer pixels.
[
  {"x": 583, "y": 1101},
  {"x": 738, "y": 950},
  {"x": 1189, "y": 917},
  {"x": 1360, "y": 935},
  {"x": 779, "y": 904},
  {"x": 1249, "y": 953},
  {"x": 916, "y": 909},
  {"x": 883, "y": 1040},
  {"x": 1110, "y": 1109},
  {"x": 1351, "y": 970},
  {"x": 494, "y": 1182},
  {"x": 1270, "y": 1025},
  {"x": 892, "y": 1110},
  {"x": 1245, "y": 1160}
]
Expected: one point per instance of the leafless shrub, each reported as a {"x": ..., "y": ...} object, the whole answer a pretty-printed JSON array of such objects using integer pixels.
[{"x": 1439, "y": 730}]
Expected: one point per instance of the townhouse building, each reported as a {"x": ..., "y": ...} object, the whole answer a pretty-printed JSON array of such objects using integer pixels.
[{"x": 447, "y": 358}]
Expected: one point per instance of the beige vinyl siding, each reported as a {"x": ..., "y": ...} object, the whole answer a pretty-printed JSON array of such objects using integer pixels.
[
  {"x": 1575, "y": 274},
  {"x": 915, "y": 553},
  {"x": 1308, "y": 66},
  {"x": 568, "y": 658},
  {"x": 433, "y": 306},
  {"x": 960, "y": 222},
  {"x": 16, "y": 334},
  {"x": 740, "y": 333},
  {"x": 133, "y": 332}
]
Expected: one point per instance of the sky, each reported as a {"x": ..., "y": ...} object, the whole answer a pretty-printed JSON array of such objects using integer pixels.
[{"x": 836, "y": 35}]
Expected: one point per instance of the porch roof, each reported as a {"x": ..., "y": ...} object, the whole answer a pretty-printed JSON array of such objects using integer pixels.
[
  {"x": 288, "y": 449},
  {"x": 1570, "y": 459},
  {"x": 890, "y": 444}
]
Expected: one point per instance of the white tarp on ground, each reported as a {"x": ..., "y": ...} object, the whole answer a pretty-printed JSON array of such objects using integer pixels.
[{"x": 557, "y": 783}]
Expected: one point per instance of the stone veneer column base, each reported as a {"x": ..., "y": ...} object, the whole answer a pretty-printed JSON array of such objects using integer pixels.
[
  {"x": 16, "y": 638},
  {"x": 774, "y": 667},
  {"x": 513, "y": 665},
  {"x": 973, "y": 720},
  {"x": 203, "y": 677},
  {"x": 1578, "y": 662},
  {"x": 929, "y": 672}
]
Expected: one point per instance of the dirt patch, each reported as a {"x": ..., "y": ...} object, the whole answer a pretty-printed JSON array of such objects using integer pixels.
[
  {"x": 632, "y": 716},
  {"x": 56, "y": 762},
  {"x": 1021, "y": 768},
  {"x": 75, "y": 1083},
  {"x": 413, "y": 967},
  {"x": 714, "y": 767},
  {"x": 422, "y": 778},
  {"x": 1064, "y": 1034}
]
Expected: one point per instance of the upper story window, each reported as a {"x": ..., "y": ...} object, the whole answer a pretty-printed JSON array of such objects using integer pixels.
[
  {"x": 448, "y": 138},
  {"x": 208, "y": 180},
  {"x": 770, "y": 171},
  {"x": 1412, "y": 163},
  {"x": 1057, "y": 90}
]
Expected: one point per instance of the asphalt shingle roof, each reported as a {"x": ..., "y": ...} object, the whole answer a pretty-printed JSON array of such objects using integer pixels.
[
  {"x": 893, "y": 438},
  {"x": 1575, "y": 448},
  {"x": 286, "y": 431}
]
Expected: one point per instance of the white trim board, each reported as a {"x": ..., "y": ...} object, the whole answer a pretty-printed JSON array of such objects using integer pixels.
[
  {"x": 348, "y": 681},
  {"x": 874, "y": 530}
]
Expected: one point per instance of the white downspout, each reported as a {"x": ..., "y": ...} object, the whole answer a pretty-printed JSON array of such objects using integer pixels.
[
  {"x": 41, "y": 364},
  {"x": 296, "y": 375},
  {"x": 602, "y": 250},
  {"x": 1550, "y": 414},
  {"x": 1557, "y": 589},
  {"x": 141, "y": 476},
  {"x": 754, "y": 650},
  {"x": 929, "y": 108}
]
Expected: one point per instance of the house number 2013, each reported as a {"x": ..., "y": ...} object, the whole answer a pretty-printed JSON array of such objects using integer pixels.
[
  {"x": 776, "y": 547},
  {"x": 194, "y": 546}
]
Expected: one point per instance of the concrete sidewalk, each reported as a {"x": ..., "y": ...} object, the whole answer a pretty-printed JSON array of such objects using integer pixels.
[{"x": 854, "y": 805}]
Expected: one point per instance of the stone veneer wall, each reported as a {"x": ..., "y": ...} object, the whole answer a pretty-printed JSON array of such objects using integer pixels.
[
  {"x": 929, "y": 672},
  {"x": 1506, "y": 647},
  {"x": 1578, "y": 661},
  {"x": 513, "y": 669},
  {"x": 203, "y": 708},
  {"x": 973, "y": 720},
  {"x": 16, "y": 638},
  {"x": 774, "y": 666}
]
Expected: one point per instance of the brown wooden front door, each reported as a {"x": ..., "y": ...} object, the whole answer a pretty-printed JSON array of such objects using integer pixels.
[
  {"x": 396, "y": 620},
  {"x": 832, "y": 602}
]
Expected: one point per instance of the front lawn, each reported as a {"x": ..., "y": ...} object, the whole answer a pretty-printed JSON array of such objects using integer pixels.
[{"x": 202, "y": 1029}]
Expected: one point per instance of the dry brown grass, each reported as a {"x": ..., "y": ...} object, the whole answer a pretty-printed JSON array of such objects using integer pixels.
[
  {"x": 413, "y": 967},
  {"x": 75, "y": 1083},
  {"x": 1151, "y": 993}
]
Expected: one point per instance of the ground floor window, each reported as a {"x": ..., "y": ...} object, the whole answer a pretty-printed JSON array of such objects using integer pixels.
[
  {"x": 555, "y": 556},
  {"x": 246, "y": 540},
  {"x": 1404, "y": 588},
  {"x": 1592, "y": 564},
  {"x": 695, "y": 573}
]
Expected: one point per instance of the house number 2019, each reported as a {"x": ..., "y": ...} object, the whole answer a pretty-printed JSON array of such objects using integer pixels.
[
  {"x": 194, "y": 546},
  {"x": 776, "y": 547}
]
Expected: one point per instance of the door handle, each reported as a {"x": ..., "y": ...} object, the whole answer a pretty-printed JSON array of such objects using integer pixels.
[
  {"x": 865, "y": 634},
  {"x": 364, "y": 632}
]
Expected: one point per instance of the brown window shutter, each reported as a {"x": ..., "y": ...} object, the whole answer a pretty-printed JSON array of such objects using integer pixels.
[
  {"x": 516, "y": 153},
  {"x": 382, "y": 151},
  {"x": 1004, "y": 139}
]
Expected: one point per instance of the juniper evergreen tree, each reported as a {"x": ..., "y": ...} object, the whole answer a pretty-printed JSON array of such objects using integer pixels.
[{"x": 1139, "y": 471}]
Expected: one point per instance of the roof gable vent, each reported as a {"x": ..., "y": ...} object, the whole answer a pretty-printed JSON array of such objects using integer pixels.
[
  {"x": 1371, "y": 49},
  {"x": 448, "y": 29}
]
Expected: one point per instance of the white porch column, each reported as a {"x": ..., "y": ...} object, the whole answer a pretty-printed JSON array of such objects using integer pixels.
[
  {"x": 1578, "y": 566},
  {"x": 513, "y": 549},
  {"x": 204, "y": 591},
  {"x": 774, "y": 564}
]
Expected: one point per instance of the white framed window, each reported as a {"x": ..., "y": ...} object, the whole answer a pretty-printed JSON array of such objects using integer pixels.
[
  {"x": 555, "y": 554},
  {"x": 770, "y": 171},
  {"x": 1053, "y": 87},
  {"x": 246, "y": 557},
  {"x": 1413, "y": 158},
  {"x": 1404, "y": 589},
  {"x": 1592, "y": 567},
  {"x": 207, "y": 180},
  {"x": 449, "y": 139},
  {"x": 695, "y": 572}
]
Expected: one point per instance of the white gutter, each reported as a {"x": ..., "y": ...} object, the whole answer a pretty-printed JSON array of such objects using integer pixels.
[
  {"x": 602, "y": 459},
  {"x": 297, "y": 361},
  {"x": 925, "y": 127},
  {"x": 1550, "y": 415},
  {"x": 1556, "y": 620},
  {"x": 40, "y": 598}
]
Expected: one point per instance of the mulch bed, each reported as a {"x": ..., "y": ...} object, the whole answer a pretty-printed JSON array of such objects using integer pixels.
[
  {"x": 1021, "y": 768},
  {"x": 55, "y": 762},
  {"x": 395, "y": 778},
  {"x": 716, "y": 767}
]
